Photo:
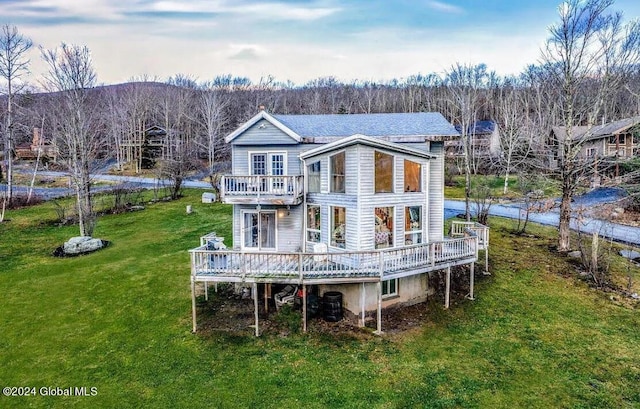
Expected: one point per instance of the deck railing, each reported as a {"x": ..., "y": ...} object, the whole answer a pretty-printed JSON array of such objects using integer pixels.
[
  {"x": 459, "y": 229},
  {"x": 333, "y": 265},
  {"x": 255, "y": 185}
]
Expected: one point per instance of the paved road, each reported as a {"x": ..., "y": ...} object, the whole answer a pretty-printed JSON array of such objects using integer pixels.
[
  {"x": 48, "y": 193},
  {"x": 617, "y": 232}
]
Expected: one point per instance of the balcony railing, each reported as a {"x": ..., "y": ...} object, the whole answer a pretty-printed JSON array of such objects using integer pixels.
[
  {"x": 262, "y": 189},
  {"x": 461, "y": 229},
  {"x": 332, "y": 266}
]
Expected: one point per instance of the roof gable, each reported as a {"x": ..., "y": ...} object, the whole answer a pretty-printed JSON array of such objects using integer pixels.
[
  {"x": 258, "y": 117},
  {"x": 367, "y": 141}
]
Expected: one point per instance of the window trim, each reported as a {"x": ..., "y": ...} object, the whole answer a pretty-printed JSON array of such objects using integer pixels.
[
  {"x": 319, "y": 175},
  {"x": 268, "y": 162},
  {"x": 419, "y": 231},
  {"x": 375, "y": 172},
  {"x": 333, "y": 227},
  {"x": 389, "y": 294},
  {"x": 310, "y": 230},
  {"x": 242, "y": 230},
  {"x": 391, "y": 236},
  {"x": 404, "y": 177},
  {"x": 331, "y": 175}
]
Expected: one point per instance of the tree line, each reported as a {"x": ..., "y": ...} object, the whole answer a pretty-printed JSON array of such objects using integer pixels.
[{"x": 588, "y": 73}]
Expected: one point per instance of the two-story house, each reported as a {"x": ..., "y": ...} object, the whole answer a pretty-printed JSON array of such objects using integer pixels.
[
  {"x": 618, "y": 139},
  {"x": 346, "y": 203}
]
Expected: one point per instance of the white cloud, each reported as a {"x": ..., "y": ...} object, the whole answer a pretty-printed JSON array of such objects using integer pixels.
[
  {"x": 251, "y": 10},
  {"x": 445, "y": 7}
]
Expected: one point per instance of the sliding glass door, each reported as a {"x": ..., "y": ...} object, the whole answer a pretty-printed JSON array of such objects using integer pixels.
[{"x": 259, "y": 230}]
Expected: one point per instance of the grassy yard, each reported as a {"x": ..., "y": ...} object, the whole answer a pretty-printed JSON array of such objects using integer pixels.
[
  {"x": 119, "y": 320},
  {"x": 455, "y": 190}
]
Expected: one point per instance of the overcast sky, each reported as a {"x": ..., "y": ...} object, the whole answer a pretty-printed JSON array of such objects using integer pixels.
[{"x": 293, "y": 40}]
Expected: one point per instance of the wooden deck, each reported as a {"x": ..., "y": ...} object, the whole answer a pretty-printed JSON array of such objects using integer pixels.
[
  {"x": 332, "y": 267},
  {"x": 262, "y": 189}
]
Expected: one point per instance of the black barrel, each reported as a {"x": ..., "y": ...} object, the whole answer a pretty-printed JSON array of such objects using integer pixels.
[{"x": 332, "y": 306}]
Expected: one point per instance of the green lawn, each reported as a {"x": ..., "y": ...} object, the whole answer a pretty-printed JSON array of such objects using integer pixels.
[
  {"x": 455, "y": 189},
  {"x": 119, "y": 320}
]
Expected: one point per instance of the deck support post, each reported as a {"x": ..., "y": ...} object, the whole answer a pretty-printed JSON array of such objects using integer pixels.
[
  {"x": 471, "y": 280},
  {"x": 379, "y": 317},
  {"x": 267, "y": 294},
  {"x": 193, "y": 304},
  {"x": 255, "y": 306},
  {"x": 363, "y": 298},
  {"x": 304, "y": 308},
  {"x": 206, "y": 291},
  {"x": 447, "y": 288},
  {"x": 486, "y": 261}
]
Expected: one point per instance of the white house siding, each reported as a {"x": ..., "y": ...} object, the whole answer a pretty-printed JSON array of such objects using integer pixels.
[
  {"x": 436, "y": 193},
  {"x": 263, "y": 133},
  {"x": 288, "y": 226},
  {"x": 411, "y": 290},
  {"x": 369, "y": 200},
  {"x": 241, "y": 164}
]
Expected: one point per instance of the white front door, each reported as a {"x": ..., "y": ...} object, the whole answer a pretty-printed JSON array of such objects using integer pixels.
[{"x": 259, "y": 230}]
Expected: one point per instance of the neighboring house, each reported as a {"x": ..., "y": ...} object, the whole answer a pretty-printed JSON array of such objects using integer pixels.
[
  {"x": 619, "y": 139},
  {"x": 484, "y": 137},
  {"x": 347, "y": 203},
  {"x": 145, "y": 147},
  {"x": 39, "y": 147}
]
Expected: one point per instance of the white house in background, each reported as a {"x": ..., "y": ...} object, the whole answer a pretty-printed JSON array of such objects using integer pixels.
[{"x": 346, "y": 203}]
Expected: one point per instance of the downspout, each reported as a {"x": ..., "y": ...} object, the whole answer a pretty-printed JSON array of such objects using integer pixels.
[{"x": 303, "y": 242}]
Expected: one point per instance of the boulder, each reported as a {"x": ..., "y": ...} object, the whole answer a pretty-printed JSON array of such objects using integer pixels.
[
  {"x": 574, "y": 254},
  {"x": 82, "y": 244}
]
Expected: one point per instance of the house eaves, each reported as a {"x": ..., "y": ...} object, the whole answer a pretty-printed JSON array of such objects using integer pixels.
[
  {"x": 258, "y": 117},
  {"x": 367, "y": 141}
]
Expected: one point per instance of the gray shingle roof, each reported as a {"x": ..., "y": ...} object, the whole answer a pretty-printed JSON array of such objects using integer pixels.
[
  {"x": 397, "y": 124},
  {"x": 598, "y": 131}
]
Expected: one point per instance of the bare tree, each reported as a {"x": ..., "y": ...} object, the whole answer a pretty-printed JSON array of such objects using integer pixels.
[
  {"x": 13, "y": 64},
  {"x": 212, "y": 117},
  {"x": 465, "y": 84},
  {"x": 76, "y": 129},
  {"x": 516, "y": 133},
  {"x": 588, "y": 56}
]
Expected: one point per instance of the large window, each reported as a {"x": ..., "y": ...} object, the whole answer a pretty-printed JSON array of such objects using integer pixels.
[
  {"x": 383, "y": 172},
  {"x": 383, "y": 235},
  {"x": 313, "y": 176},
  {"x": 337, "y": 172},
  {"x": 313, "y": 224},
  {"x": 338, "y": 226},
  {"x": 259, "y": 230},
  {"x": 412, "y": 176},
  {"x": 390, "y": 288},
  {"x": 412, "y": 225}
]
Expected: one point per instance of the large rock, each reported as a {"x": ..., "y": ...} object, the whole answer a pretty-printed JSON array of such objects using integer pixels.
[{"x": 82, "y": 244}]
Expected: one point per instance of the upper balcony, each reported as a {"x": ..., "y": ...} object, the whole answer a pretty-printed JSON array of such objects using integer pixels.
[{"x": 262, "y": 189}]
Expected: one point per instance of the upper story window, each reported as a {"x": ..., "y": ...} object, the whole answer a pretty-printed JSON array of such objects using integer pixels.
[
  {"x": 337, "y": 172},
  {"x": 617, "y": 140},
  {"x": 313, "y": 177},
  {"x": 591, "y": 152},
  {"x": 383, "y": 163},
  {"x": 412, "y": 176},
  {"x": 313, "y": 223}
]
